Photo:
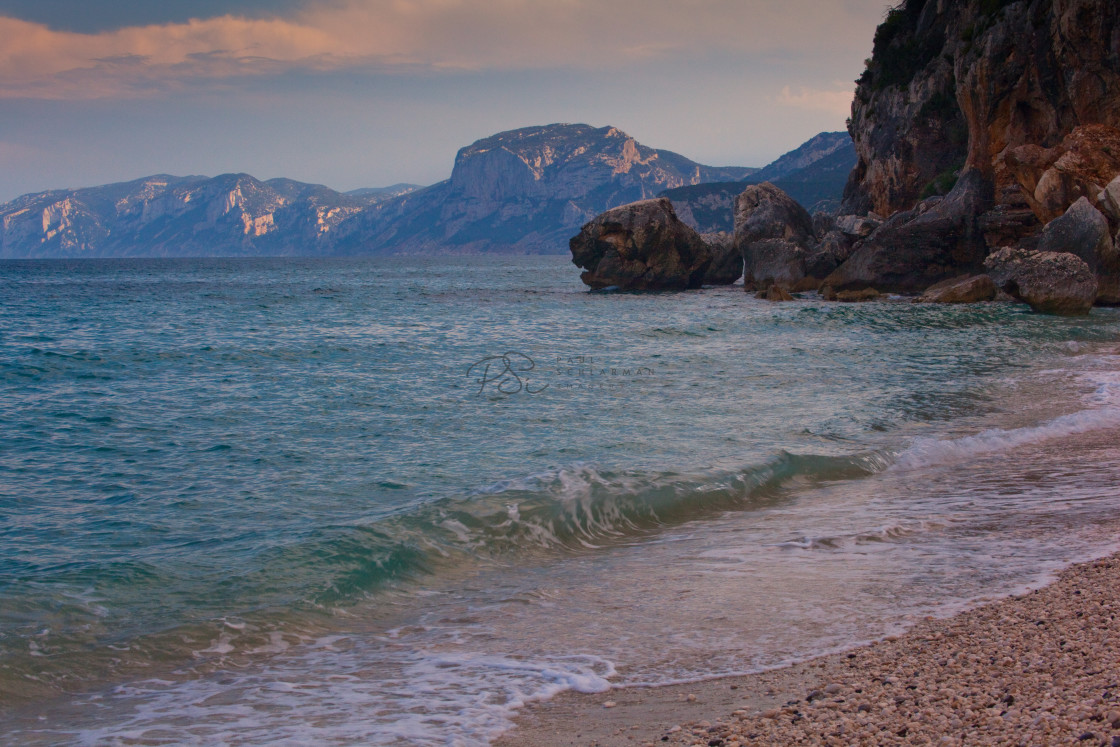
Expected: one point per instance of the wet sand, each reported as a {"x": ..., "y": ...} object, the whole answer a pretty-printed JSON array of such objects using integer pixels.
[{"x": 1038, "y": 669}]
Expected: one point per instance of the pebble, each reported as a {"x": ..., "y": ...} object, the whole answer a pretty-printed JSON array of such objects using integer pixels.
[{"x": 993, "y": 673}]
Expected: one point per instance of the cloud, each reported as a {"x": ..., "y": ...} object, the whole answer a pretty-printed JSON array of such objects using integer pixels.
[
  {"x": 833, "y": 102},
  {"x": 39, "y": 62}
]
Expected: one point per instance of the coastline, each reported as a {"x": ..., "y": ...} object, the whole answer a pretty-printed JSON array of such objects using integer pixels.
[{"x": 1037, "y": 668}]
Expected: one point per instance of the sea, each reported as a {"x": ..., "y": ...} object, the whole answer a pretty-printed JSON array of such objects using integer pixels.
[{"x": 390, "y": 501}]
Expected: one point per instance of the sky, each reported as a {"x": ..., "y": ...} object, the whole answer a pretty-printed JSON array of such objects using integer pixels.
[{"x": 368, "y": 93}]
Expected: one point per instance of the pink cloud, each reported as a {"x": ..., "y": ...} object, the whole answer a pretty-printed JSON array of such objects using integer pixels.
[{"x": 38, "y": 62}]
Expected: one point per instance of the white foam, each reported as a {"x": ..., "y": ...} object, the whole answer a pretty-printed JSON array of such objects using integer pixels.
[
  {"x": 362, "y": 695},
  {"x": 928, "y": 452}
]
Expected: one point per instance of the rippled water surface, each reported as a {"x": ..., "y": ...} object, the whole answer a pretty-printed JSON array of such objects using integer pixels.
[{"x": 390, "y": 500}]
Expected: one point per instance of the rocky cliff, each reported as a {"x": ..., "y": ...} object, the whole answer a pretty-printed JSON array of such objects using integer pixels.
[
  {"x": 964, "y": 84},
  {"x": 985, "y": 124}
]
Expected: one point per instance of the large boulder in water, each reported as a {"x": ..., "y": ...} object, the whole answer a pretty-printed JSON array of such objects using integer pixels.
[
  {"x": 775, "y": 235},
  {"x": 1051, "y": 282},
  {"x": 1084, "y": 231},
  {"x": 641, "y": 246}
]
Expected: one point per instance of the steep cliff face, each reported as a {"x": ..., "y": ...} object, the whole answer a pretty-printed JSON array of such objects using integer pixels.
[
  {"x": 528, "y": 190},
  {"x": 955, "y": 85}
]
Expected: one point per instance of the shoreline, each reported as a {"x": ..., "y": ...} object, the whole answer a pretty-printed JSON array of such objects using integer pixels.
[{"x": 1038, "y": 668}]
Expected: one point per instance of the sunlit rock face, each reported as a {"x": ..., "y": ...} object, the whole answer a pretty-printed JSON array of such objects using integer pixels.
[
  {"x": 528, "y": 191},
  {"x": 964, "y": 84}
]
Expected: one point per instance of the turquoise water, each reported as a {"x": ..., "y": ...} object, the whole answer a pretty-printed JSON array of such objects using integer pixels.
[{"x": 390, "y": 500}]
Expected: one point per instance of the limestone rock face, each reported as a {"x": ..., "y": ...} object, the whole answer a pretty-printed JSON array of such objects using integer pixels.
[
  {"x": 966, "y": 289},
  {"x": 774, "y": 234},
  {"x": 935, "y": 241},
  {"x": 966, "y": 84},
  {"x": 1050, "y": 282},
  {"x": 641, "y": 246},
  {"x": 727, "y": 260},
  {"x": 528, "y": 191},
  {"x": 1109, "y": 200},
  {"x": 1082, "y": 166}
]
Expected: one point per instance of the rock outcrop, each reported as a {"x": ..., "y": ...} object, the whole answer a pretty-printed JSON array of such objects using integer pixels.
[
  {"x": 641, "y": 246},
  {"x": 1084, "y": 232},
  {"x": 966, "y": 289},
  {"x": 954, "y": 84},
  {"x": 1008, "y": 108},
  {"x": 1050, "y": 282},
  {"x": 775, "y": 235},
  {"x": 937, "y": 240}
]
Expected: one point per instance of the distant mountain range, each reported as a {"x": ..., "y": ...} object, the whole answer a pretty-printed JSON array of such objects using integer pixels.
[
  {"x": 814, "y": 174},
  {"x": 522, "y": 191}
]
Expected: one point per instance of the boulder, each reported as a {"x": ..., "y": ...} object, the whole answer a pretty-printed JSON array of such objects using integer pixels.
[
  {"x": 1109, "y": 200},
  {"x": 937, "y": 240},
  {"x": 857, "y": 226},
  {"x": 1050, "y": 282},
  {"x": 774, "y": 234},
  {"x": 856, "y": 296},
  {"x": 775, "y": 293},
  {"x": 965, "y": 289},
  {"x": 641, "y": 246},
  {"x": 1084, "y": 231},
  {"x": 727, "y": 260},
  {"x": 823, "y": 223},
  {"x": 834, "y": 248}
]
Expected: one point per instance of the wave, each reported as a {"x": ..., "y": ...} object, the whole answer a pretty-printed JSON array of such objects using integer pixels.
[
  {"x": 574, "y": 509},
  {"x": 1104, "y": 412}
]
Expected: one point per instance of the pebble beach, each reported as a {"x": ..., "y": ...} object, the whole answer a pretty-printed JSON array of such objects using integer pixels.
[{"x": 1038, "y": 669}]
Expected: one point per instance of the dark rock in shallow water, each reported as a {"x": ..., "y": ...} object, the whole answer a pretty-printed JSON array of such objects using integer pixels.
[
  {"x": 1084, "y": 231},
  {"x": 727, "y": 260},
  {"x": 775, "y": 293},
  {"x": 855, "y": 296},
  {"x": 641, "y": 246},
  {"x": 776, "y": 237},
  {"x": 1050, "y": 282},
  {"x": 937, "y": 240},
  {"x": 966, "y": 289}
]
